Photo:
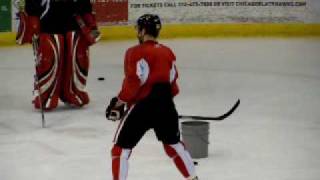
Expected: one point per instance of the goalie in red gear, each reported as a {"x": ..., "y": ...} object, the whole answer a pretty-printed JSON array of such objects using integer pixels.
[
  {"x": 63, "y": 50},
  {"x": 148, "y": 90}
]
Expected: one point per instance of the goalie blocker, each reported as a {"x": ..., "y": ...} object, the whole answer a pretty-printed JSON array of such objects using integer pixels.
[{"x": 90, "y": 32}]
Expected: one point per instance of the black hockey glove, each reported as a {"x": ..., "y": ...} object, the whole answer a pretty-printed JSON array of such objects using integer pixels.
[{"x": 115, "y": 109}]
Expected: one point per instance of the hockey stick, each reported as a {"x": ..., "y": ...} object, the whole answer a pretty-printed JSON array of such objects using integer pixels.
[
  {"x": 35, "y": 40},
  {"x": 217, "y": 118}
]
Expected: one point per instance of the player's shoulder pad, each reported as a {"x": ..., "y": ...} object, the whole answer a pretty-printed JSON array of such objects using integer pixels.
[
  {"x": 164, "y": 47},
  {"x": 135, "y": 49},
  {"x": 133, "y": 52},
  {"x": 168, "y": 49}
]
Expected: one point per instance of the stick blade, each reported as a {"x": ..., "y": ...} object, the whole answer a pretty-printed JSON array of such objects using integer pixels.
[{"x": 217, "y": 118}]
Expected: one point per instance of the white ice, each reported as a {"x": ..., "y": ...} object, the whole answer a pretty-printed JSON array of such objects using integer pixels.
[{"x": 274, "y": 135}]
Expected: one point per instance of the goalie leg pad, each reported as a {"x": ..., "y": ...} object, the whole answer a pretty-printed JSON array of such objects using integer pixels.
[
  {"x": 120, "y": 157},
  {"x": 181, "y": 158},
  {"x": 80, "y": 67},
  {"x": 48, "y": 70},
  {"x": 75, "y": 71}
]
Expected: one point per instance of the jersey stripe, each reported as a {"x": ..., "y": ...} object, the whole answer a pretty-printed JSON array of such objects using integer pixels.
[{"x": 173, "y": 72}]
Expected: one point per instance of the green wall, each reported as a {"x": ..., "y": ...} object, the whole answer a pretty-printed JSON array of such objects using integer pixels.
[{"x": 5, "y": 15}]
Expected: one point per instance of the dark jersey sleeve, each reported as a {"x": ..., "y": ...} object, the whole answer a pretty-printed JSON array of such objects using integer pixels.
[{"x": 33, "y": 7}]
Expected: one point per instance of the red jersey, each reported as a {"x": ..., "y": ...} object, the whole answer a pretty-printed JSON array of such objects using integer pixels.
[{"x": 147, "y": 64}]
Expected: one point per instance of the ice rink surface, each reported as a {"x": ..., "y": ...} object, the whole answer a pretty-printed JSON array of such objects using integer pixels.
[{"x": 274, "y": 134}]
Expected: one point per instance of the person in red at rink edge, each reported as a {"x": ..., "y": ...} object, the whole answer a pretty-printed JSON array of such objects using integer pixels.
[
  {"x": 66, "y": 30},
  {"x": 148, "y": 89}
]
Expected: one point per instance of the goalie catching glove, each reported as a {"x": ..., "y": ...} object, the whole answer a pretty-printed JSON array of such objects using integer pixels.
[{"x": 115, "y": 109}]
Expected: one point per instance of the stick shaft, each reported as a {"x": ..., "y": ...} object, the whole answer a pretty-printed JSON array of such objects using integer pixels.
[{"x": 216, "y": 118}]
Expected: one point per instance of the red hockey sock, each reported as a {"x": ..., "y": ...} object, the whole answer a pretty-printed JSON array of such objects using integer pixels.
[
  {"x": 120, "y": 162},
  {"x": 181, "y": 158}
]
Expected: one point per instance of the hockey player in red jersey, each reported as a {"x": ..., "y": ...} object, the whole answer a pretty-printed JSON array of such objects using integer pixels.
[
  {"x": 67, "y": 29},
  {"x": 148, "y": 89}
]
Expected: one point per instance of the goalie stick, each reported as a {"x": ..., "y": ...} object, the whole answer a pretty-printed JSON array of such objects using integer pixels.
[
  {"x": 217, "y": 118},
  {"x": 35, "y": 39}
]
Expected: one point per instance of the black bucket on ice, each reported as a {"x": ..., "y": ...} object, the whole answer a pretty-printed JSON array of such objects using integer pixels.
[{"x": 195, "y": 135}]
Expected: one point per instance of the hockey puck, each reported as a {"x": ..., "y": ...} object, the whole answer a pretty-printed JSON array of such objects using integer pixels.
[
  {"x": 100, "y": 78},
  {"x": 195, "y": 163}
]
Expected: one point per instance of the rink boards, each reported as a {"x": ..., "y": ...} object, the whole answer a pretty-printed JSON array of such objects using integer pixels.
[{"x": 203, "y": 30}]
